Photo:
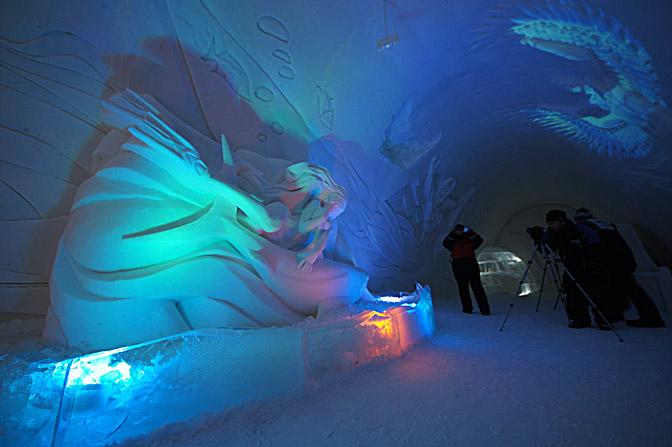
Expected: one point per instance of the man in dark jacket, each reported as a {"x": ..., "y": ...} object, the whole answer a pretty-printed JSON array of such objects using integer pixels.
[
  {"x": 582, "y": 255},
  {"x": 462, "y": 243},
  {"x": 621, "y": 265}
]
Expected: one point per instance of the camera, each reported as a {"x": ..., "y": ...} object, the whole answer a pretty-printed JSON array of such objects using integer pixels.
[{"x": 536, "y": 232}]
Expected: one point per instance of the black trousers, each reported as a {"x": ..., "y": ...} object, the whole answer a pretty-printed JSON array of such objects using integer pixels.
[
  {"x": 575, "y": 301},
  {"x": 467, "y": 273},
  {"x": 596, "y": 285},
  {"x": 625, "y": 284}
]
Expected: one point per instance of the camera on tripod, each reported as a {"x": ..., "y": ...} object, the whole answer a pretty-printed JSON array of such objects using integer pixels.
[
  {"x": 557, "y": 266},
  {"x": 536, "y": 233}
]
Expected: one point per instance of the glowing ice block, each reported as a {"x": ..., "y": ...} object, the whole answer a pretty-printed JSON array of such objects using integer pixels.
[{"x": 114, "y": 395}]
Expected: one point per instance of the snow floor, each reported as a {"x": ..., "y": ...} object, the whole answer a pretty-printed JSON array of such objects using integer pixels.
[{"x": 536, "y": 383}]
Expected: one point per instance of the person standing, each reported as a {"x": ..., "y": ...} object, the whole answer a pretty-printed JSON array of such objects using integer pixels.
[
  {"x": 581, "y": 255},
  {"x": 462, "y": 243},
  {"x": 621, "y": 266}
]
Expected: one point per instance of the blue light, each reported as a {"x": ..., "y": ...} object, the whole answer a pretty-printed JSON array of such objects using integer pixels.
[{"x": 101, "y": 368}]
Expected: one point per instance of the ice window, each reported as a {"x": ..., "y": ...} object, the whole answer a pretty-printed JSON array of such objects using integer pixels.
[{"x": 501, "y": 272}]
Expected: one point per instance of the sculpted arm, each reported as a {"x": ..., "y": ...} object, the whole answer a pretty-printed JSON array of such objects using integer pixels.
[
  {"x": 312, "y": 216},
  {"x": 307, "y": 257},
  {"x": 314, "y": 219}
]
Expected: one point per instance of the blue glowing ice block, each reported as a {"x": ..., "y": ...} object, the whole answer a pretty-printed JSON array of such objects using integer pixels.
[{"x": 114, "y": 395}]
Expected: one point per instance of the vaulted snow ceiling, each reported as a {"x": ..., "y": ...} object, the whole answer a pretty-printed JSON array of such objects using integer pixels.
[{"x": 486, "y": 112}]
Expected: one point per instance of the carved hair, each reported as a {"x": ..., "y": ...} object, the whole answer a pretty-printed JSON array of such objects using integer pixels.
[{"x": 308, "y": 177}]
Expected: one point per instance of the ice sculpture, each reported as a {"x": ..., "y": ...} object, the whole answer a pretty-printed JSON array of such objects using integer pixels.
[
  {"x": 403, "y": 146},
  {"x": 117, "y": 395},
  {"x": 155, "y": 245},
  {"x": 572, "y": 30},
  {"x": 501, "y": 271}
]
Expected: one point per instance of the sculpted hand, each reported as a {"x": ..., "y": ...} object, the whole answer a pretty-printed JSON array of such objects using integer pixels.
[{"x": 305, "y": 262}]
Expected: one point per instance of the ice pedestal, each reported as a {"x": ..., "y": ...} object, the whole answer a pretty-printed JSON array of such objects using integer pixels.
[{"x": 113, "y": 395}]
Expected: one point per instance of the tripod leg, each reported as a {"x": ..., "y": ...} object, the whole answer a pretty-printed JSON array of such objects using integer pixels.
[
  {"x": 555, "y": 273},
  {"x": 592, "y": 303},
  {"x": 520, "y": 285},
  {"x": 541, "y": 287},
  {"x": 558, "y": 299}
]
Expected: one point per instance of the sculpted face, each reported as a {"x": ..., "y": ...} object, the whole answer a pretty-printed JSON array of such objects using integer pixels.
[{"x": 336, "y": 208}]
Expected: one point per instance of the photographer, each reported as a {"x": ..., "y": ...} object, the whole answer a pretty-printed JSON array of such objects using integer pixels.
[
  {"x": 582, "y": 255},
  {"x": 462, "y": 243},
  {"x": 622, "y": 265}
]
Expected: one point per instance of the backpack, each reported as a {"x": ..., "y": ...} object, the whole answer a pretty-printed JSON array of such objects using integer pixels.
[{"x": 617, "y": 251}]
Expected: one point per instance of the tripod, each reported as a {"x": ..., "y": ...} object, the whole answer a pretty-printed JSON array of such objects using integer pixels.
[
  {"x": 541, "y": 246},
  {"x": 555, "y": 272}
]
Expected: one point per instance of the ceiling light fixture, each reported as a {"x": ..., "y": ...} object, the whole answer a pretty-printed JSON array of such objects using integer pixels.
[{"x": 387, "y": 41}]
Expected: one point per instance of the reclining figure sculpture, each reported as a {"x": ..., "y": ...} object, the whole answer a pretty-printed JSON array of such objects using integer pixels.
[{"x": 156, "y": 246}]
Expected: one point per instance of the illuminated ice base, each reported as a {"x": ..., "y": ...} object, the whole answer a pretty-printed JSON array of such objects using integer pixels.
[{"x": 113, "y": 395}]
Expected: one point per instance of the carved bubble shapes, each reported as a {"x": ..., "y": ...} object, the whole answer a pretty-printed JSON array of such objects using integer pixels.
[
  {"x": 273, "y": 27},
  {"x": 264, "y": 94},
  {"x": 283, "y": 56},
  {"x": 286, "y": 72}
]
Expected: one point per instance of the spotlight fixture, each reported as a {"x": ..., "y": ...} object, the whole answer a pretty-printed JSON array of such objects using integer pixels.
[{"x": 389, "y": 40}]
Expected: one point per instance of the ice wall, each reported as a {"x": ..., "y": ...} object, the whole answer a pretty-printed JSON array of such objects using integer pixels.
[{"x": 481, "y": 109}]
